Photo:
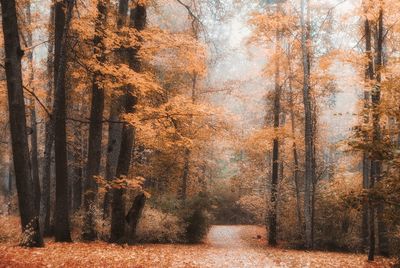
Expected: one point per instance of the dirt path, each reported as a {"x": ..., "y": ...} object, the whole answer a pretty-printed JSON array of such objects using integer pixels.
[
  {"x": 232, "y": 237},
  {"x": 226, "y": 246}
]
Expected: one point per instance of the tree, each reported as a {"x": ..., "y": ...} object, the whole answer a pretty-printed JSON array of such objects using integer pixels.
[
  {"x": 63, "y": 16},
  {"x": 308, "y": 123},
  {"x": 49, "y": 134},
  {"x": 95, "y": 128},
  {"x": 275, "y": 151},
  {"x": 138, "y": 21},
  {"x": 23, "y": 173},
  {"x": 114, "y": 129}
]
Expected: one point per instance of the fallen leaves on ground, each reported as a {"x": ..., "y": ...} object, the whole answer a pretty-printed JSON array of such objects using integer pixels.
[{"x": 226, "y": 246}]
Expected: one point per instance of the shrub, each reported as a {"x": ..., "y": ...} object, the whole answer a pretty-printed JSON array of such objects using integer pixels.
[
  {"x": 197, "y": 226},
  {"x": 196, "y": 218},
  {"x": 102, "y": 226},
  {"x": 254, "y": 206},
  {"x": 226, "y": 209},
  {"x": 156, "y": 226}
]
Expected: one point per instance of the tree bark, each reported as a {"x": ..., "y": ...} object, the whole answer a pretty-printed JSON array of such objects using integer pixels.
[
  {"x": 25, "y": 185},
  {"x": 95, "y": 129},
  {"x": 61, "y": 224}
]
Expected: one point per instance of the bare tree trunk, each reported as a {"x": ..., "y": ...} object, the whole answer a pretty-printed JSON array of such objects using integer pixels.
[
  {"x": 95, "y": 130},
  {"x": 61, "y": 225},
  {"x": 25, "y": 185}
]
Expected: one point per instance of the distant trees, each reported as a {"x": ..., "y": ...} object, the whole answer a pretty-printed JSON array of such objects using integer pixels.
[{"x": 373, "y": 210}]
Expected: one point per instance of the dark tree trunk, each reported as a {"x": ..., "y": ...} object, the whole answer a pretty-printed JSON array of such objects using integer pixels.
[
  {"x": 95, "y": 129},
  {"x": 137, "y": 21},
  {"x": 25, "y": 185},
  {"x": 61, "y": 224},
  {"x": 134, "y": 215}
]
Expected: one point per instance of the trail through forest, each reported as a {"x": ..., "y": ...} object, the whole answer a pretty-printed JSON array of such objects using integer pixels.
[{"x": 226, "y": 246}]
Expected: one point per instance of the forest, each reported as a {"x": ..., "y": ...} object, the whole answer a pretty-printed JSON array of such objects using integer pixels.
[{"x": 200, "y": 133}]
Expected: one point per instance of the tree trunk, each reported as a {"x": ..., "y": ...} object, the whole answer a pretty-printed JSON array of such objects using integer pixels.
[
  {"x": 369, "y": 75},
  {"x": 272, "y": 221},
  {"x": 137, "y": 21},
  {"x": 49, "y": 137},
  {"x": 114, "y": 129},
  {"x": 95, "y": 130},
  {"x": 32, "y": 110},
  {"x": 309, "y": 129},
  {"x": 113, "y": 147},
  {"x": 78, "y": 166},
  {"x": 124, "y": 161},
  {"x": 61, "y": 224},
  {"x": 25, "y": 185},
  {"x": 296, "y": 171},
  {"x": 383, "y": 241},
  {"x": 185, "y": 175},
  {"x": 134, "y": 215}
]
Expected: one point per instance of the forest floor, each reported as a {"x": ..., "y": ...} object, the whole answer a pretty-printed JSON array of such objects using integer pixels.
[{"x": 225, "y": 246}]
